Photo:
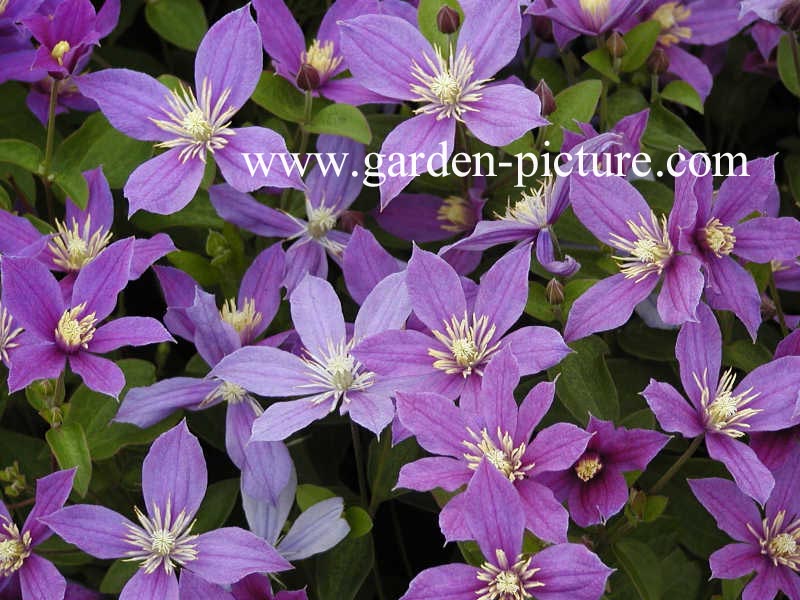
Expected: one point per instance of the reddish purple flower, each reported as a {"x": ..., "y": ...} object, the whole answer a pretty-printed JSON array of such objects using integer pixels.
[
  {"x": 594, "y": 485},
  {"x": 767, "y": 545},
  {"x": 765, "y": 400},
  {"x": 572, "y": 18},
  {"x": 58, "y": 330},
  {"x": 500, "y": 434},
  {"x": 452, "y": 85},
  {"x": 174, "y": 480},
  {"x": 192, "y": 124},
  {"x": 37, "y": 578},
  {"x": 495, "y": 519}
]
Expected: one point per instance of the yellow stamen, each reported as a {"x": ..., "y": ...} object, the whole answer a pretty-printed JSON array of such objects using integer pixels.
[
  {"x": 649, "y": 252},
  {"x": 502, "y": 455},
  {"x": 596, "y": 10},
  {"x": 320, "y": 56},
  {"x": 726, "y": 412},
  {"x": 59, "y": 50},
  {"x": 718, "y": 238},
  {"x": 75, "y": 247},
  {"x": 244, "y": 320},
  {"x": 74, "y": 332},
  {"x": 14, "y": 548},
  {"x": 469, "y": 345},
  {"x": 588, "y": 466},
  {"x": 506, "y": 581},
  {"x": 669, "y": 15},
  {"x": 456, "y": 213}
]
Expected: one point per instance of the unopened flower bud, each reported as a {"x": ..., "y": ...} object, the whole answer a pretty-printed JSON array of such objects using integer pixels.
[
  {"x": 307, "y": 78},
  {"x": 543, "y": 28},
  {"x": 546, "y": 97},
  {"x": 789, "y": 15},
  {"x": 658, "y": 62},
  {"x": 448, "y": 19},
  {"x": 16, "y": 482},
  {"x": 768, "y": 309},
  {"x": 616, "y": 45},
  {"x": 554, "y": 292}
]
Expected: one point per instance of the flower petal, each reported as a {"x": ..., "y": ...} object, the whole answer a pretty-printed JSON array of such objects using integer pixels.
[
  {"x": 229, "y": 554},
  {"x": 254, "y": 140},
  {"x": 40, "y": 580},
  {"x": 246, "y": 212},
  {"x": 265, "y": 371},
  {"x": 433, "y": 472},
  {"x": 317, "y": 315},
  {"x": 569, "y": 571},
  {"x": 544, "y": 515},
  {"x": 435, "y": 290},
  {"x": 434, "y": 420},
  {"x": 681, "y": 290},
  {"x": 158, "y": 584},
  {"x": 146, "y": 406},
  {"x": 672, "y": 411},
  {"x": 448, "y": 582},
  {"x": 316, "y": 529},
  {"x": 734, "y": 561},
  {"x": 128, "y": 331},
  {"x": 505, "y": 112},
  {"x": 35, "y": 361},
  {"x": 536, "y": 348},
  {"x": 32, "y": 296},
  {"x": 96, "y": 530},
  {"x": 164, "y": 184},
  {"x": 557, "y": 447},
  {"x": 283, "y": 419},
  {"x": 52, "y": 492},
  {"x": 731, "y": 509},
  {"x": 280, "y": 34},
  {"x": 503, "y": 290},
  {"x": 386, "y": 307}
]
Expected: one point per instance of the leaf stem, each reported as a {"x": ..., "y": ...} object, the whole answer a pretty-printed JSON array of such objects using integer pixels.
[
  {"x": 48, "y": 149},
  {"x": 666, "y": 477},
  {"x": 362, "y": 480},
  {"x": 773, "y": 291}
]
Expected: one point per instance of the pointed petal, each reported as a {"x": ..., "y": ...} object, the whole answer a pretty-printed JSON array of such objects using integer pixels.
[
  {"x": 734, "y": 561},
  {"x": 372, "y": 411},
  {"x": 740, "y": 196},
  {"x": 777, "y": 385},
  {"x": 239, "y": 420},
  {"x": 99, "y": 283},
  {"x": 128, "y": 331},
  {"x": 490, "y": 34},
  {"x": 536, "y": 348},
  {"x": 253, "y": 140},
  {"x": 448, "y": 582},
  {"x": 265, "y": 371},
  {"x": 435, "y": 290},
  {"x": 496, "y": 398},
  {"x": 569, "y": 571},
  {"x": 34, "y": 361},
  {"x": 599, "y": 499},
  {"x": 504, "y": 113},
  {"x": 96, "y": 530},
  {"x": 426, "y": 474},
  {"x": 315, "y": 530},
  {"x": 731, "y": 509},
  {"x": 504, "y": 290},
  {"x": 32, "y": 296},
  {"x": 192, "y": 586},
  {"x": 246, "y": 212},
  {"x": 262, "y": 281},
  {"x": 397, "y": 353},
  {"x": 533, "y": 408},
  {"x": 215, "y": 339},
  {"x": 283, "y": 419},
  {"x": 158, "y": 584},
  {"x": 557, "y": 447},
  {"x": 387, "y": 307},
  {"x": 40, "y": 580},
  {"x": 365, "y": 263},
  {"x": 764, "y": 239},
  {"x": 227, "y": 555},
  {"x": 681, "y": 290},
  {"x": 544, "y": 515},
  {"x": 766, "y": 584},
  {"x": 605, "y": 205},
  {"x": 100, "y": 205},
  {"x": 51, "y": 494},
  {"x": 99, "y": 374},
  {"x": 281, "y": 35},
  {"x": 434, "y": 420},
  {"x": 146, "y": 406},
  {"x": 699, "y": 352},
  {"x": 672, "y": 411},
  {"x": 317, "y": 315},
  {"x": 164, "y": 184}
]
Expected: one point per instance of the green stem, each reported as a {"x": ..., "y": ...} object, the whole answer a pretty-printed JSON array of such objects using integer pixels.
[
  {"x": 308, "y": 105},
  {"x": 48, "y": 150},
  {"x": 666, "y": 477},
  {"x": 654, "y": 94},
  {"x": 362, "y": 480},
  {"x": 21, "y": 504},
  {"x": 773, "y": 291}
]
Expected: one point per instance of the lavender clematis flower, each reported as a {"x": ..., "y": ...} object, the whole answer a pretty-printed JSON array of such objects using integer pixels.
[
  {"x": 174, "y": 479},
  {"x": 618, "y": 216},
  {"x": 461, "y": 337},
  {"x": 767, "y": 545},
  {"x": 216, "y": 334},
  {"x": 765, "y": 400},
  {"x": 594, "y": 485},
  {"x": 500, "y": 434},
  {"x": 391, "y": 57},
  {"x": 9, "y": 332},
  {"x": 496, "y": 521},
  {"x": 192, "y": 124},
  {"x": 59, "y": 329},
  {"x": 252, "y": 587},
  {"x": 769, "y": 10},
  {"x": 328, "y": 195},
  {"x": 629, "y": 141},
  {"x": 328, "y": 375},
  {"x": 36, "y": 577},
  {"x": 588, "y": 17}
]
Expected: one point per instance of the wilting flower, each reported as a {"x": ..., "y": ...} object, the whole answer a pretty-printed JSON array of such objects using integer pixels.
[
  {"x": 594, "y": 485},
  {"x": 452, "y": 85},
  {"x": 765, "y": 400},
  {"x": 37, "y": 578},
  {"x": 768, "y": 545},
  {"x": 461, "y": 337},
  {"x": 650, "y": 252},
  {"x": 327, "y": 375},
  {"x": 192, "y": 124},
  {"x": 495, "y": 518},
  {"x": 216, "y": 334},
  {"x": 174, "y": 480},
  {"x": 59, "y": 329},
  {"x": 328, "y": 195},
  {"x": 588, "y": 17},
  {"x": 500, "y": 434}
]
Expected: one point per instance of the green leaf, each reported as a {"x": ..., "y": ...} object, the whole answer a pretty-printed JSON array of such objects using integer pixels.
[
  {"x": 71, "y": 449},
  {"x": 117, "y": 153},
  {"x": 640, "y": 41},
  {"x": 117, "y": 576},
  {"x": 280, "y": 98},
  {"x": 745, "y": 355},
  {"x": 642, "y": 567},
  {"x": 73, "y": 184},
  {"x": 585, "y": 385},
  {"x": 22, "y": 154},
  {"x": 537, "y": 305},
  {"x": 384, "y": 463},
  {"x": 308, "y": 495},
  {"x": 219, "y": 501},
  {"x": 786, "y": 65},
  {"x": 732, "y": 588},
  {"x": 181, "y": 22},
  {"x": 655, "y": 507},
  {"x": 666, "y": 131},
  {"x": 600, "y": 60},
  {"x": 683, "y": 93},
  {"x": 198, "y": 213},
  {"x": 426, "y": 17},
  {"x": 359, "y": 521},
  {"x": 645, "y": 342},
  {"x": 576, "y": 103},
  {"x": 341, "y": 572},
  {"x": 343, "y": 120},
  {"x": 195, "y": 265}
]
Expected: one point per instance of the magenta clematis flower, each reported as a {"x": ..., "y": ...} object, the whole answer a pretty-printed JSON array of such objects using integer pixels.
[
  {"x": 594, "y": 485},
  {"x": 36, "y": 577},
  {"x": 652, "y": 251},
  {"x": 58, "y": 330},
  {"x": 500, "y": 434},
  {"x": 572, "y": 18},
  {"x": 174, "y": 480},
  {"x": 192, "y": 124},
  {"x": 322, "y": 61},
  {"x": 765, "y": 400},
  {"x": 765, "y": 545},
  {"x": 328, "y": 375},
  {"x": 328, "y": 195},
  {"x": 452, "y": 85},
  {"x": 496, "y": 521},
  {"x": 216, "y": 334},
  {"x": 461, "y": 337}
]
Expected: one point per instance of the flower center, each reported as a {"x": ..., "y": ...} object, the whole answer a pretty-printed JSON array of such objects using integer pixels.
[
  {"x": 73, "y": 332},
  {"x": 320, "y": 55},
  {"x": 503, "y": 456},
  {"x": 596, "y": 10},
  {"x": 198, "y": 126},
  {"x": 14, "y": 548},
  {"x": 226, "y": 392},
  {"x": 469, "y": 345},
  {"x": 7, "y": 333},
  {"x": 778, "y": 542},
  {"x": 669, "y": 16},
  {"x": 718, "y": 238},
  {"x": 446, "y": 88},
  {"x": 160, "y": 541},
  {"x": 59, "y": 50},
  {"x": 649, "y": 251},
  {"x": 456, "y": 214},
  {"x": 3, "y": 6},
  {"x": 74, "y": 248},
  {"x": 505, "y": 581},
  {"x": 320, "y": 221},
  {"x": 726, "y": 412},
  {"x": 336, "y": 372},
  {"x": 532, "y": 208},
  {"x": 588, "y": 466},
  {"x": 244, "y": 321}
]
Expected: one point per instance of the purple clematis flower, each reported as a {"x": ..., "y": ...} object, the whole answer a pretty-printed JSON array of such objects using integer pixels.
[
  {"x": 767, "y": 545},
  {"x": 328, "y": 195},
  {"x": 618, "y": 216},
  {"x": 495, "y": 518},
  {"x": 629, "y": 140},
  {"x": 769, "y": 10},
  {"x": 452, "y": 85},
  {"x": 328, "y": 375},
  {"x": 36, "y": 577},
  {"x": 500, "y": 434},
  {"x": 58, "y": 329},
  {"x": 16, "y": 50},
  {"x": 216, "y": 334},
  {"x": 594, "y": 485},
  {"x": 572, "y": 18},
  {"x": 174, "y": 480},
  {"x": 192, "y": 124},
  {"x": 461, "y": 337},
  {"x": 252, "y": 587},
  {"x": 8, "y": 333},
  {"x": 765, "y": 400}
]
